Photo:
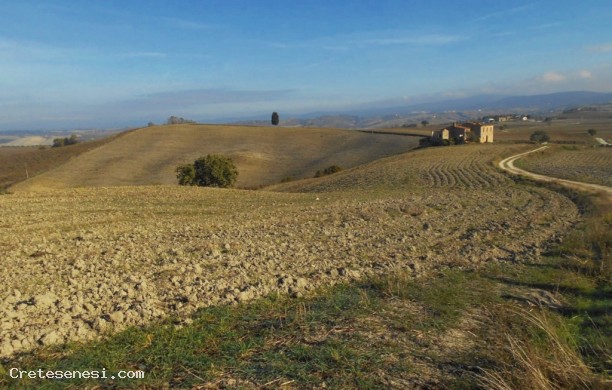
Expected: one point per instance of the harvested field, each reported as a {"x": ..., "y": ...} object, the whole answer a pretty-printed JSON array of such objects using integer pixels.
[
  {"x": 263, "y": 155},
  {"x": 586, "y": 164},
  {"x": 78, "y": 263}
]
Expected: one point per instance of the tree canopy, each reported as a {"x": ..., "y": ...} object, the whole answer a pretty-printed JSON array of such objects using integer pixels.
[
  {"x": 58, "y": 142},
  {"x": 211, "y": 171},
  {"x": 540, "y": 136}
]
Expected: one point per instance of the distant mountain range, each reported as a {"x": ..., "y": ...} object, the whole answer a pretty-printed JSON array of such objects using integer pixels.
[{"x": 445, "y": 111}]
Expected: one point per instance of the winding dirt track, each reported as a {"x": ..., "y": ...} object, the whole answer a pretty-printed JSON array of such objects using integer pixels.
[{"x": 507, "y": 164}]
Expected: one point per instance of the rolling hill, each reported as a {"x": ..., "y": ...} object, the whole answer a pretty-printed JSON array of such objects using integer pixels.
[{"x": 263, "y": 155}]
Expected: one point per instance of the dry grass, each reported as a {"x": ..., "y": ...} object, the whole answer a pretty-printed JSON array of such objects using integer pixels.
[
  {"x": 263, "y": 155},
  {"x": 542, "y": 356}
]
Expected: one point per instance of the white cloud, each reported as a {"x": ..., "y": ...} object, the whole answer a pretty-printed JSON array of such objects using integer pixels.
[
  {"x": 603, "y": 48},
  {"x": 30, "y": 50},
  {"x": 545, "y": 26},
  {"x": 346, "y": 42},
  {"x": 552, "y": 77},
  {"x": 585, "y": 74},
  {"x": 503, "y": 13},
  {"x": 145, "y": 54},
  {"x": 428, "y": 39},
  {"x": 188, "y": 24}
]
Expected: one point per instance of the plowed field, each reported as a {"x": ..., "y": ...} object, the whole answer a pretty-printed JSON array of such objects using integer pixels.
[{"x": 80, "y": 262}]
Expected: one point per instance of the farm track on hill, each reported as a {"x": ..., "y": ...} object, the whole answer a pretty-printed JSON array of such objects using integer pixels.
[
  {"x": 81, "y": 262},
  {"x": 508, "y": 164}
]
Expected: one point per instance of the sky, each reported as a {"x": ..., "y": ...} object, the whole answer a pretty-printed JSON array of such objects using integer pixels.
[{"x": 103, "y": 64}]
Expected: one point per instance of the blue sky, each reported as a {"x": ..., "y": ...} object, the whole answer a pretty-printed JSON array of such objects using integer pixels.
[{"x": 71, "y": 64}]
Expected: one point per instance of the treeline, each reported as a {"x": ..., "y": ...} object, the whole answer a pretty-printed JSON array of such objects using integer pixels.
[{"x": 175, "y": 120}]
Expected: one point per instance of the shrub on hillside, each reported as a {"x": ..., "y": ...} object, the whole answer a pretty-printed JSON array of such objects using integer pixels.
[
  {"x": 59, "y": 142},
  {"x": 211, "y": 171},
  {"x": 328, "y": 171},
  {"x": 540, "y": 136},
  {"x": 592, "y": 132}
]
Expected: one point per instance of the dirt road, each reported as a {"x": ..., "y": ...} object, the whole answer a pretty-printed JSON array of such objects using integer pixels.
[{"x": 507, "y": 164}]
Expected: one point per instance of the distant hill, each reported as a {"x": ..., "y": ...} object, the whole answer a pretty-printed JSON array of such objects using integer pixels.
[
  {"x": 443, "y": 111},
  {"x": 553, "y": 101},
  {"x": 263, "y": 155}
]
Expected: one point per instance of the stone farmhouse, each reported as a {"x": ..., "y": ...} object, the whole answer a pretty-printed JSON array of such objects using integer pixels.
[{"x": 465, "y": 132}]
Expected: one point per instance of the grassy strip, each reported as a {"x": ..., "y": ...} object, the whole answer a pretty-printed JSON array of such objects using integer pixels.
[
  {"x": 391, "y": 332},
  {"x": 338, "y": 338}
]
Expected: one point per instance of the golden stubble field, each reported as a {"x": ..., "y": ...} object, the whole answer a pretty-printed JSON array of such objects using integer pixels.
[{"x": 77, "y": 263}]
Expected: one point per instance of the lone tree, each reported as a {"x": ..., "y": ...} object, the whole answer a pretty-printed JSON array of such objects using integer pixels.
[
  {"x": 275, "y": 118},
  {"x": 592, "y": 132},
  {"x": 424, "y": 123},
  {"x": 540, "y": 136},
  {"x": 214, "y": 170}
]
